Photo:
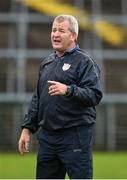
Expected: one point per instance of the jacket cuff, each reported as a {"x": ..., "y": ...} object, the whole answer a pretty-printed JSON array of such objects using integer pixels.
[{"x": 29, "y": 124}]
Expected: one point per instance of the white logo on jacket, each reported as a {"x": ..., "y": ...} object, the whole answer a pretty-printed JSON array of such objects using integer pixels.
[{"x": 66, "y": 66}]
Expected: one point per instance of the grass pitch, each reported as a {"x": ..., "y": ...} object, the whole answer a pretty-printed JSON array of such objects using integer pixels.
[{"x": 106, "y": 165}]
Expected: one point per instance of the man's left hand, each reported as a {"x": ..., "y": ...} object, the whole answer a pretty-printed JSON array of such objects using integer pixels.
[{"x": 57, "y": 88}]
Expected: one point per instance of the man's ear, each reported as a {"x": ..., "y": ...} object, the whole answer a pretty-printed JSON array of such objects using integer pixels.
[{"x": 74, "y": 36}]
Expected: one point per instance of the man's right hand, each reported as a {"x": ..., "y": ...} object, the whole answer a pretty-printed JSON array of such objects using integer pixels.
[{"x": 24, "y": 141}]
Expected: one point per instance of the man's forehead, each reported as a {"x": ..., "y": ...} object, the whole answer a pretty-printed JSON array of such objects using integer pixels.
[{"x": 62, "y": 24}]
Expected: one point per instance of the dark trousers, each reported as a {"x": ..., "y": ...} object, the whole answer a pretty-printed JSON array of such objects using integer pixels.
[{"x": 65, "y": 151}]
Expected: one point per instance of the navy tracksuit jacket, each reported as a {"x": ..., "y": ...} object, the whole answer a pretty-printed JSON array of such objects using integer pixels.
[{"x": 60, "y": 113}]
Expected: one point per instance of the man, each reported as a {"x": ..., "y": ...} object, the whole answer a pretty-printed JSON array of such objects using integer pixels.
[{"x": 62, "y": 108}]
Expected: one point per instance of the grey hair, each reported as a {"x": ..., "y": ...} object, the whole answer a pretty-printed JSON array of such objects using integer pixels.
[{"x": 74, "y": 27}]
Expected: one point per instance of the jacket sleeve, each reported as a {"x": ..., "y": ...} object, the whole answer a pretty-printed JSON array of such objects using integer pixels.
[
  {"x": 88, "y": 88},
  {"x": 31, "y": 118}
]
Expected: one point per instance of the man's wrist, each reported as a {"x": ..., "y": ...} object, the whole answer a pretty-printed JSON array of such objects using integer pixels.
[
  {"x": 68, "y": 91},
  {"x": 26, "y": 130}
]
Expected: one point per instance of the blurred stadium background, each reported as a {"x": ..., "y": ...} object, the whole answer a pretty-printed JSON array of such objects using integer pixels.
[{"x": 25, "y": 27}]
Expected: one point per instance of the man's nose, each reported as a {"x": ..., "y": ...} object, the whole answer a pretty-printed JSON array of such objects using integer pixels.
[{"x": 56, "y": 33}]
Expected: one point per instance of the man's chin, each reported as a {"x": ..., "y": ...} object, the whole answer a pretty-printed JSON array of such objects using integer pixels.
[{"x": 57, "y": 48}]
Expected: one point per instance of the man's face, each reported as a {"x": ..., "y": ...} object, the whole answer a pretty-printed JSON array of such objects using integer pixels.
[{"x": 61, "y": 37}]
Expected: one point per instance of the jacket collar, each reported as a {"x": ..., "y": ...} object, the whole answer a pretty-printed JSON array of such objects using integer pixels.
[{"x": 69, "y": 52}]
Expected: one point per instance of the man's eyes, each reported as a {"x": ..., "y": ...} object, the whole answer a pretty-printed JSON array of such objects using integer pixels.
[{"x": 60, "y": 30}]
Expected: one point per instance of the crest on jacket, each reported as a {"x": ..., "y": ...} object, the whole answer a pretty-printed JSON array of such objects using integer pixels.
[{"x": 66, "y": 66}]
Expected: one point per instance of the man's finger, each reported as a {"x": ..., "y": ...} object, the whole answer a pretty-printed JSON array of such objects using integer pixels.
[
  {"x": 21, "y": 148},
  {"x": 27, "y": 147},
  {"x": 52, "y": 82}
]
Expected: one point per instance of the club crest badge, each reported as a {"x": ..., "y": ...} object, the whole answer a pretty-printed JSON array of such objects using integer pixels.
[{"x": 66, "y": 67}]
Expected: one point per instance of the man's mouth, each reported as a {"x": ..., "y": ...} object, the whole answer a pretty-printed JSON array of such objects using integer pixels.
[{"x": 56, "y": 41}]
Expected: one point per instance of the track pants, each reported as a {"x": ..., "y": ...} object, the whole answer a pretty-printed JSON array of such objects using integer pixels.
[{"x": 65, "y": 151}]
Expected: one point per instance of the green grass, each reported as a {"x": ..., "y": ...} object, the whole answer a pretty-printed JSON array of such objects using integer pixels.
[
  {"x": 15, "y": 166},
  {"x": 110, "y": 165},
  {"x": 106, "y": 166}
]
